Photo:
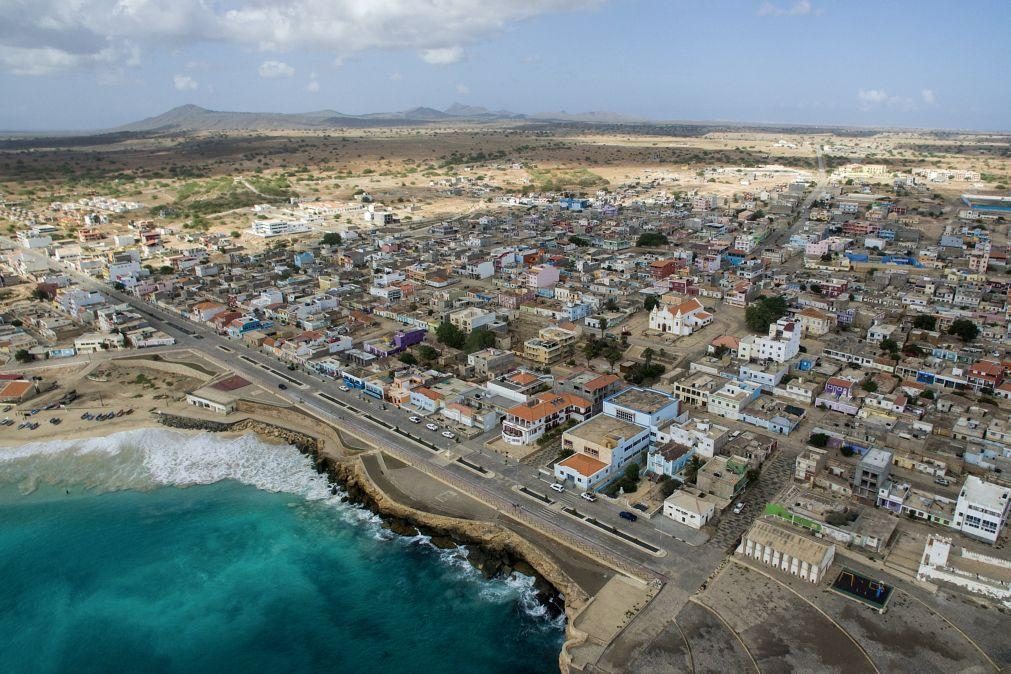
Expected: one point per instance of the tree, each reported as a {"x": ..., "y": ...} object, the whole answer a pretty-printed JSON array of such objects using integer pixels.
[
  {"x": 165, "y": 269},
  {"x": 651, "y": 240},
  {"x": 40, "y": 295},
  {"x": 450, "y": 335},
  {"x": 408, "y": 358},
  {"x": 721, "y": 351},
  {"x": 890, "y": 345},
  {"x": 692, "y": 470},
  {"x": 647, "y": 355},
  {"x": 869, "y": 385},
  {"x": 612, "y": 355},
  {"x": 651, "y": 303},
  {"x": 764, "y": 311},
  {"x": 819, "y": 440},
  {"x": 632, "y": 471},
  {"x": 611, "y": 304},
  {"x": 925, "y": 322},
  {"x": 816, "y": 288},
  {"x": 579, "y": 241},
  {"x": 641, "y": 373},
  {"x": 22, "y": 356},
  {"x": 912, "y": 350},
  {"x": 478, "y": 339},
  {"x": 427, "y": 353},
  {"x": 235, "y": 234},
  {"x": 927, "y": 394},
  {"x": 668, "y": 486},
  {"x": 964, "y": 329},
  {"x": 603, "y": 325},
  {"x": 331, "y": 239}
]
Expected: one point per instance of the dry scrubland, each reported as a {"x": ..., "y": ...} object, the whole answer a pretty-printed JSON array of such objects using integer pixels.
[{"x": 208, "y": 180}]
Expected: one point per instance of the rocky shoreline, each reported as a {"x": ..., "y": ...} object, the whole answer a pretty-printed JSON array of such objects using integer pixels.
[{"x": 491, "y": 549}]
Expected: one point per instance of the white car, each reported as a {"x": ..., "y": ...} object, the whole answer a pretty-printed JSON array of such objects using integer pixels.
[
  {"x": 447, "y": 434},
  {"x": 738, "y": 508},
  {"x": 414, "y": 420},
  {"x": 431, "y": 427},
  {"x": 345, "y": 389},
  {"x": 557, "y": 487},
  {"x": 587, "y": 496}
]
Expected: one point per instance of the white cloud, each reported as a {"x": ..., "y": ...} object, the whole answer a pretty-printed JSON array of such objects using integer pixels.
[
  {"x": 442, "y": 56},
  {"x": 313, "y": 85},
  {"x": 275, "y": 69},
  {"x": 184, "y": 82},
  {"x": 799, "y": 8},
  {"x": 928, "y": 96},
  {"x": 42, "y": 36},
  {"x": 872, "y": 96},
  {"x": 462, "y": 89},
  {"x": 868, "y": 99}
]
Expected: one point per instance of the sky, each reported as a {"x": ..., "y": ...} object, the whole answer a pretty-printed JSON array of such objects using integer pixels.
[{"x": 95, "y": 64}]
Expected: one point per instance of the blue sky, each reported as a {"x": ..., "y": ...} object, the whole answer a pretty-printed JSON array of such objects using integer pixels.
[{"x": 73, "y": 64}]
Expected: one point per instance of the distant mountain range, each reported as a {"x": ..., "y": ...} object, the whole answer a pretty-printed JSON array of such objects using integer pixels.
[{"x": 196, "y": 118}]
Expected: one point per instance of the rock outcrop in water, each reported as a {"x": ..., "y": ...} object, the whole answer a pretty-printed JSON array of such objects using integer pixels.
[{"x": 491, "y": 549}]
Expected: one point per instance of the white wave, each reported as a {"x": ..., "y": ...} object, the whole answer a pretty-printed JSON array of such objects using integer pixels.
[{"x": 146, "y": 458}]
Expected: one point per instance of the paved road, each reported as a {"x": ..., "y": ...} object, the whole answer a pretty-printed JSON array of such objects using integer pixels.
[
  {"x": 782, "y": 238},
  {"x": 306, "y": 389}
]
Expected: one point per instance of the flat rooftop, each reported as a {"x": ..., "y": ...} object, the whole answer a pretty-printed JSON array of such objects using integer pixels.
[
  {"x": 643, "y": 400},
  {"x": 599, "y": 428}
]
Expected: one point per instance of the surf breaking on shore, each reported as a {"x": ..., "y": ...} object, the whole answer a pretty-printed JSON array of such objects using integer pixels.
[{"x": 148, "y": 458}]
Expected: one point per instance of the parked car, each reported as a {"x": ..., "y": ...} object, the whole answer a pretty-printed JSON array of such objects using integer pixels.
[
  {"x": 943, "y": 482},
  {"x": 625, "y": 515},
  {"x": 587, "y": 496},
  {"x": 557, "y": 487},
  {"x": 283, "y": 387},
  {"x": 345, "y": 389},
  {"x": 448, "y": 434},
  {"x": 738, "y": 508},
  {"x": 414, "y": 420},
  {"x": 431, "y": 427}
]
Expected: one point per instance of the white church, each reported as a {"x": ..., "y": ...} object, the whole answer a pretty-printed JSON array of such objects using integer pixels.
[{"x": 680, "y": 319}]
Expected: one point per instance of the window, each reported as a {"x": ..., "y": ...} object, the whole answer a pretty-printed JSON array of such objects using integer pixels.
[{"x": 625, "y": 415}]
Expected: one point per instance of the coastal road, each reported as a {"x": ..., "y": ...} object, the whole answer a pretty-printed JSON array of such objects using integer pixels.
[{"x": 348, "y": 411}]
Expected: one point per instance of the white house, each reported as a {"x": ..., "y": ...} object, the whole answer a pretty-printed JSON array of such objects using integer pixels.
[
  {"x": 681, "y": 319},
  {"x": 781, "y": 344},
  {"x": 689, "y": 509},
  {"x": 982, "y": 509}
]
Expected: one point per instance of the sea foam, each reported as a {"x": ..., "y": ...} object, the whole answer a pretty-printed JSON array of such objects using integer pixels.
[
  {"x": 143, "y": 459},
  {"x": 148, "y": 458}
]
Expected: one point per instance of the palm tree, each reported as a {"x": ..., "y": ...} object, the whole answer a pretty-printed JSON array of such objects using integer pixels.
[{"x": 647, "y": 355}]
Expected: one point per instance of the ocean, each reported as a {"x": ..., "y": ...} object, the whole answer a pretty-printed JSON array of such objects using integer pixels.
[{"x": 190, "y": 553}]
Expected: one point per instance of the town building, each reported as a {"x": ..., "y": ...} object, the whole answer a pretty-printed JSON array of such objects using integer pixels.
[
  {"x": 785, "y": 548},
  {"x": 691, "y": 509},
  {"x": 602, "y": 446},
  {"x": 982, "y": 509}
]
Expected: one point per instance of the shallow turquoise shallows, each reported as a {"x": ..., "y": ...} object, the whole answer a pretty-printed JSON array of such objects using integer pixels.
[{"x": 219, "y": 575}]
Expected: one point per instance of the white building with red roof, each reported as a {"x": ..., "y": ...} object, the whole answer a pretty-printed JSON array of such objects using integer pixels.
[{"x": 681, "y": 319}]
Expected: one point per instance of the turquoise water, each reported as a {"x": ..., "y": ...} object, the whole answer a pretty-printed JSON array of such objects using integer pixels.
[{"x": 248, "y": 570}]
